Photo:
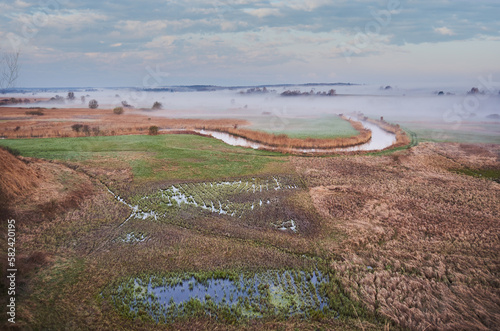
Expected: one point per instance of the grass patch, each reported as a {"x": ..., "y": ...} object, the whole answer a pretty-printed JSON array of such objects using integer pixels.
[
  {"x": 492, "y": 174},
  {"x": 162, "y": 157},
  {"x": 320, "y": 128}
]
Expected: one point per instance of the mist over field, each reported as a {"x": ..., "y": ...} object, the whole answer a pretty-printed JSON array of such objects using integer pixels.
[
  {"x": 413, "y": 107},
  {"x": 249, "y": 164}
]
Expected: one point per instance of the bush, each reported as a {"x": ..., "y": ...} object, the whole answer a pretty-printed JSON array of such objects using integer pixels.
[
  {"x": 93, "y": 104},
  {"x": 126, "y": 104},
  {"x": 157, "y": 105},
  {"x": 34, "y": 112},
  {"x": 77, "y": 127},
  {"x": 118, "y": 110},
  {"x": 153, "y": 130}
]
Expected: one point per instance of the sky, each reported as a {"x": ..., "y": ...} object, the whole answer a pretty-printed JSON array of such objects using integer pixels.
[{"x": 153, "y": 43}]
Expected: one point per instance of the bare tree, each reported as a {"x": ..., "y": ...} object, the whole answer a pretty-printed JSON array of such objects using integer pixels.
[{"x": 9, "y": 69}]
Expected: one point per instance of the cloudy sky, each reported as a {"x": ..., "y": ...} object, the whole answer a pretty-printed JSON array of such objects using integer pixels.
[{"x": 241, "y": 42}]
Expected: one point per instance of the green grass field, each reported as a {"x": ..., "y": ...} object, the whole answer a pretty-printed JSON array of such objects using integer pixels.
[
  {"x": 162, "y": 157},
  {"x": 322, "y": 127}
]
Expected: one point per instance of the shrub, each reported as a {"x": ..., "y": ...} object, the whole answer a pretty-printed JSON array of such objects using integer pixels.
[
  {"x": 157, "y": 105},
  {"x": 34, "y": 112},
  {"x": 153, "y": 130},
  {"x": 86, "y": 129},
  {"x": 77, "y": 127},
  {"x": 93, "y": 104},
  {"x": 118, "y": 110},
  {"x": 126, "y": 104}
]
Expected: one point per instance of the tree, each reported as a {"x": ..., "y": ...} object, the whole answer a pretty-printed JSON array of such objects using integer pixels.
[
  {"x": 71, "y": 96},
  {"x": 9, "y": 69},
  {"x": 118, "y": 110},
  {"x": 157, "y": 105},
  {"x": 93, "y": 104}
]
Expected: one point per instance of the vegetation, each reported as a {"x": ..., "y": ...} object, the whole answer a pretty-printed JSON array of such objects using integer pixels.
[
  {"x": 109, "y": 227},
  {"x": 233, "y": 296},
  {"x": 326, "y": 127},
  {"x": 118, "y": 110},
  {"x": 146, "y": 158},
  {"x": 157, "y": 105},
  {"x": 93, "y": 104},
  {"x": 153, "y": 130},
  {"x": 34, "y": 112},
  {"x": 419, "y": 249},
  {"x": 283, "y": 142},
  {"x": 290, "y": 93}
]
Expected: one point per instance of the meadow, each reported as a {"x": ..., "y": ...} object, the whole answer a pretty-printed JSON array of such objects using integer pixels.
[{"x": 111, "y": 227}]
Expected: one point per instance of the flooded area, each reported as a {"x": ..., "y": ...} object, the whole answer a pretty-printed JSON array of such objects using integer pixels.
[
  {"x": 288, "y": 292},
  {"x": 235, "y": 199},
  {"x": 381, "y": 139}
]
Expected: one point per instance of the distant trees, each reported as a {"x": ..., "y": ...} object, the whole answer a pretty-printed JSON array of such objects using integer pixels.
[
  {"x": 93, "y": 104},
  {"x": 157, "y": 105},
  {"x": 118, "y": 110},
  {"x": 257, "y": 90},
  {"x": 289, "y": 93},
  {"x": 71, "y": 96},
  {"x": 57, "y": 99},
  {"x": 125, "y": 104}
]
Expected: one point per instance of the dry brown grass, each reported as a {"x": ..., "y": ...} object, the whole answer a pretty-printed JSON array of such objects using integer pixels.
[
  {"x": 103, "y": 122},
  {"x": 422, "y": 243},
  {"x": 17, "y": 179}
]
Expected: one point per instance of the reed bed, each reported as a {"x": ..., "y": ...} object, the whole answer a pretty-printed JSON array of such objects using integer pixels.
[
  {"x": 422, "y": 242},
  {"x": 98, "y": 122}
]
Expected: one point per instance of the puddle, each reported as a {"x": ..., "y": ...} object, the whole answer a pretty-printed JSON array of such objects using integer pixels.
[
  {"x": 215, "y": 196},
  {"x": 380, "y": 139},
  {"x": 223, "y": 198},
  {"x": 288, "y": 225},
  {"x": 270, "y": 293},
  {"x": 132, "y": 237}
]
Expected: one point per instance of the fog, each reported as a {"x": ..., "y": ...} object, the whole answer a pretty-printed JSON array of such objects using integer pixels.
[{"x": 397, "y": 104}]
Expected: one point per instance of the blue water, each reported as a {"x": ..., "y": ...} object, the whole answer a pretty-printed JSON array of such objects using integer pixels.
[{"x": 271, "y": 292}]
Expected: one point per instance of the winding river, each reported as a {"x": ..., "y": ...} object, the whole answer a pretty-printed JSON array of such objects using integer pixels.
[{"x": 380, "y": 139}]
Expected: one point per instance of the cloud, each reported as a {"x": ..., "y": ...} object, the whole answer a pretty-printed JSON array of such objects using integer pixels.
[
  {"x": 263, "y": 12},
  {"x": 305, "y": 5},
  {"x": 444, "y": 31},
  {"x": 60, "y": 19},
  {"x": 139, "y": 29},
  {"x": 21, "y": 4},
  {"x": 161, "y": 42}
]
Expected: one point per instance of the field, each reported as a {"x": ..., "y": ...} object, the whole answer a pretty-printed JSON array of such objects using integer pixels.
[
  {"x": 110, "y": 228},
  {"x": 322, "y": 127}
]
